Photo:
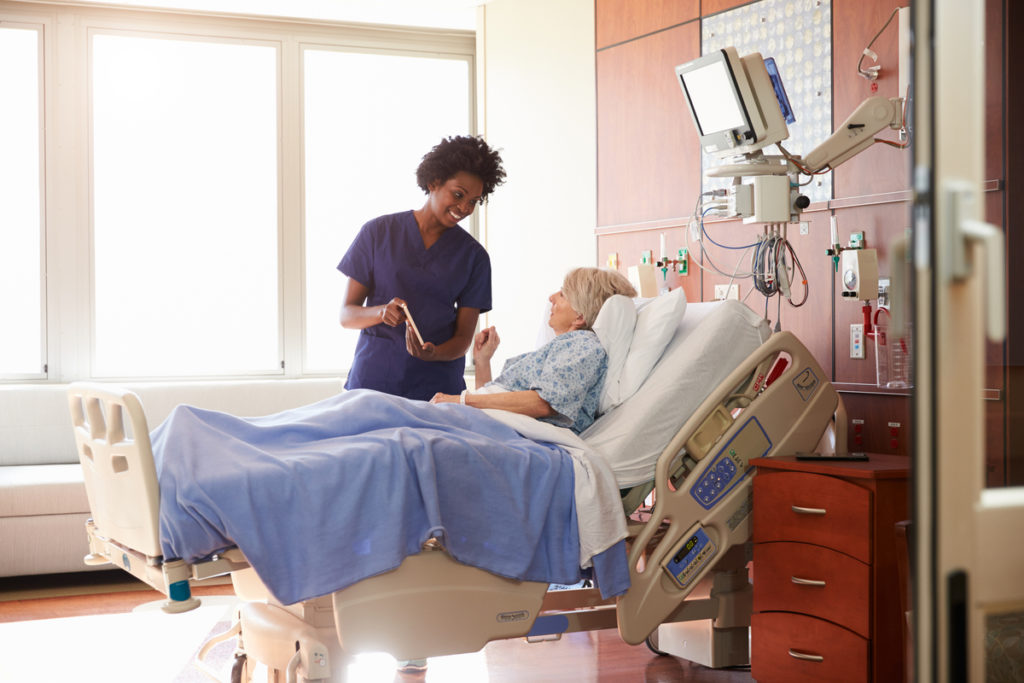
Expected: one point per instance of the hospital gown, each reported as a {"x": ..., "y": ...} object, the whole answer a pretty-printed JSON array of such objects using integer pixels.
[{"x": 568, "y": 372}]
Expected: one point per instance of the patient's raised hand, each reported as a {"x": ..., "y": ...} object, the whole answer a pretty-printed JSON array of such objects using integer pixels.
[{"x": 485, "y": 343}]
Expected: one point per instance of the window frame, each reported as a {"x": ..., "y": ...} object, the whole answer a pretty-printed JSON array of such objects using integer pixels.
[
  {"x": 473, "y": 223},
  {"x": 40, "y": 26},
  {"x": 66, "y": 184}
]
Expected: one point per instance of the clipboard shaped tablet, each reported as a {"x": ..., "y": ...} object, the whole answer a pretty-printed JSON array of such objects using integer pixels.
[{"x": 408, "y": 318}]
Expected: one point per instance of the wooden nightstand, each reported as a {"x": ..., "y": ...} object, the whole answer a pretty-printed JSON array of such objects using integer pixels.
[{"x": 826, "y": 582}]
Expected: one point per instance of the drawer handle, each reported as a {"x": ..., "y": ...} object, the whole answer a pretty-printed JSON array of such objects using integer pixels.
[
  {"x": 807, "y": 511},
  {"x": 806, "y": 657},
  {"x": 806, "y": 582}
]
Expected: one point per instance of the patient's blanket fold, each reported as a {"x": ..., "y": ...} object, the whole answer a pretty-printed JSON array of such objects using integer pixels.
[{"x": 325, "y": 495}]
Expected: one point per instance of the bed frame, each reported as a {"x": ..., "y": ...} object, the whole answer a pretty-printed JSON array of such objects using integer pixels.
[{"x": 694, "y": 540}]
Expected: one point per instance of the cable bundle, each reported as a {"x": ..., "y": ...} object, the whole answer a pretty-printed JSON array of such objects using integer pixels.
[{"x": 774, "y": 265}]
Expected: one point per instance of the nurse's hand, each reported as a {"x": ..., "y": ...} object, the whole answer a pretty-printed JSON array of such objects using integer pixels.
[
  {"x": 391, "y": 314},
  {"x": 425, "y": 352},
  {"x": 445, "y": 398}
]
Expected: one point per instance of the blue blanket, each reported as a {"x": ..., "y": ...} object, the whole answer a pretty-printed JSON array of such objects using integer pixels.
[{"x": 322, "y": 496}]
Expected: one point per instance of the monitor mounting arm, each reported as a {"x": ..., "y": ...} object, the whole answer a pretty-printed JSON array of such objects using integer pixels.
[{"x": 857, "y": 132}]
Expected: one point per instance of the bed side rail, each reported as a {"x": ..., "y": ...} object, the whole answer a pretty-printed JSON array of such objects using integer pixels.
[
  {"x": 112, "y": 439},
  {"x": 764, "y": 408}
]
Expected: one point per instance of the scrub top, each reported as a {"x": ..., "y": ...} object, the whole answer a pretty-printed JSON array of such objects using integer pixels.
[{"x": 389, "y": 258}]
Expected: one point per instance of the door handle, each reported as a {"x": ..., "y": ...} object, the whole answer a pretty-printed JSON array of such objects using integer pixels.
[
  {"x": 989, "y": 239},
  {"x": 964, "y": 229}
]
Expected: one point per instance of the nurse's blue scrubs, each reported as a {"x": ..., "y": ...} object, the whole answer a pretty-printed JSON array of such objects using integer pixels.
[{"x": 389, "y": 258}]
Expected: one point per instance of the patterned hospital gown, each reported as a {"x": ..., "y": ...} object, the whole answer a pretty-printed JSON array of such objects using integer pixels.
[{"x": 568, "y": 372}]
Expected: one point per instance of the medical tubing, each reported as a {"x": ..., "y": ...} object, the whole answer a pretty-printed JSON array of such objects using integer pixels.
[
  {"x": 803, "y": 277},
  {"x": 769, "y": 260},
  {"x": 863, "y": 54},
  {"x": 698, "y": 219},
  {"x": 723, "y": 246}
]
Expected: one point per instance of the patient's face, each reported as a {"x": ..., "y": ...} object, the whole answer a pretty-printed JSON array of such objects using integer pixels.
[{"x": 564, "y": 317}]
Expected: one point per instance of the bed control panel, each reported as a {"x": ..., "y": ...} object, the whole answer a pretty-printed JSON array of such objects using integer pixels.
[
  {"x": 730, "y": 465},
  {"x": 695, "y": 552}
]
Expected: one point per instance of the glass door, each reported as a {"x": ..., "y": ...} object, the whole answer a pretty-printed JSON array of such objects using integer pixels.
[{"x": 969, "y": 557}]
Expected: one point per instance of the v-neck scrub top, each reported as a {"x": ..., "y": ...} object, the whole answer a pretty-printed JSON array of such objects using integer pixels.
[{"x": 389, "y": 258}]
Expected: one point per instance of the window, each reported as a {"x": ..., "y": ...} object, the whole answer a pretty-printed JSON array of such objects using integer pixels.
[
  {"x": 369, "y": 119},
  {"x": 21, "y": 307},
  {"x": 185, "y": 207},
  {"x": 176, "y": 188}
]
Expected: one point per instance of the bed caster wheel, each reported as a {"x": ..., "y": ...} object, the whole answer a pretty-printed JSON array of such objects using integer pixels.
[
  {"x": 238, "y": 668},
  {"x": 652, "y": 644}
]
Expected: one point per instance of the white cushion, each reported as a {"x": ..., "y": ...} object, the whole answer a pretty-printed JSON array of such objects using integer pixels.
[
  {"x": 614, "y": 328},
  {"x": 35, "y": 423},
  {"x": 27, "y": 490},
  {"x": 656, "y": 322}
]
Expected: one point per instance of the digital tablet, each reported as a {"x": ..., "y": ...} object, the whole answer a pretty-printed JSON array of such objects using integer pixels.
[
  {"x": 832, "y": 456},
  {"x": 412, "y": 323}
]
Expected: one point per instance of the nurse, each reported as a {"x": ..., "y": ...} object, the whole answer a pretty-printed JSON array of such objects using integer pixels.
[{"x": 422, "y": 258}]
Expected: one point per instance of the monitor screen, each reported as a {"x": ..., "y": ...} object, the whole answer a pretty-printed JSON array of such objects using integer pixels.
[
  {"x": 712, "y": 95},
  {"x": 715, "y": 98}
]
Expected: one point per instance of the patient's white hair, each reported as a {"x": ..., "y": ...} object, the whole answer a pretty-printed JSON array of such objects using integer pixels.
[{"x": 588, "y": 288}]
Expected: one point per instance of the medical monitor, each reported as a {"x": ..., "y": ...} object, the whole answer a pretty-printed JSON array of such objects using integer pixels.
[{"x": 733, "y": 101}]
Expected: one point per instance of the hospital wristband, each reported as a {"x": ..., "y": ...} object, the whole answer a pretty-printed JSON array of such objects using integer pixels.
[{"x": 462, "y": 397}]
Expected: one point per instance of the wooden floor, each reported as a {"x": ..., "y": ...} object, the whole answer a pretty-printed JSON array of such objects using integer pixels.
[{"x": 603, "y": 652}]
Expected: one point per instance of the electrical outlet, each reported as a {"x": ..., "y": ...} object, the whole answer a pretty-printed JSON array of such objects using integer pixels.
[
  {"x": 857, "y": 340},
  {"x": 727, "y": 292}
]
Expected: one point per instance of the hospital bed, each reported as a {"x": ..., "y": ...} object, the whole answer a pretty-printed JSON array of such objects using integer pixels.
[{"x": 690, "y": 539}]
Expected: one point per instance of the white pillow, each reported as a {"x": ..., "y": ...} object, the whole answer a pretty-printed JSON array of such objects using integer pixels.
[
  {"x": 614, "y": 328},
  {"x": 656, "y": 323}
]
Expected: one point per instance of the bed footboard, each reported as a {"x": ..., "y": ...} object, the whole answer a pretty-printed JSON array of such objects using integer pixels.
[{"x": 112, "y": 440}]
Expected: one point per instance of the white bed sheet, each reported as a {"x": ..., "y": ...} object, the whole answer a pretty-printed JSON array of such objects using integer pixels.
[{"x": 712, "y": 339}]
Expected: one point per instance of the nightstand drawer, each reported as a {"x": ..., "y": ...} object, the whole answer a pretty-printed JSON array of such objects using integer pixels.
[
  {"x": 790, "y": 648},
  {"x": 812, "y": 508},
  {"x": 797, "y": 577}
]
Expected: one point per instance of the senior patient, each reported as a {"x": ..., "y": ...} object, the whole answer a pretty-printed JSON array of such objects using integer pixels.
[{"x": 561, "y": 381}]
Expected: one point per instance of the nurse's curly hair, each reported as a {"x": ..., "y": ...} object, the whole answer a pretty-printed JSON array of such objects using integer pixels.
[{"x": 467, "y": 153}]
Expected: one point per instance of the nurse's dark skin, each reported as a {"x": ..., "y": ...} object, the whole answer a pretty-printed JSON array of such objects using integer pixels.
[{"x": 447, "y": 203}]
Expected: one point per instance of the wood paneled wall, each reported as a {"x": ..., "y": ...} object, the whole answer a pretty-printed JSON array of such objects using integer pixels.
[{"x": 649, "y": 177}]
